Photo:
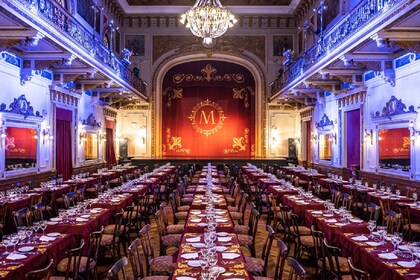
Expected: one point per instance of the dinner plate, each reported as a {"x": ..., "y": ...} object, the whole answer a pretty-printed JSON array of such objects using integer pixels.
[
  {"x": 222, "y": 233},
  {"x": 202, "y": 224},
  {"x": 195, "y": 220},
  {"x": 198, "y": 245},
  {"x": 328, "y": 215},
  {"x": 406, "y": 264},
  {"x": 56, "y": 219},
  {"x": 85, "y": 216},
  {"x": 51, "y": 223},
  {"x": 403, "y": 247},
  {"x": 221, "y": 248},
  {"x": 53, "y": 234},
  {"x": 217, "y": 269},
  {"x": 26, "y": 249}
]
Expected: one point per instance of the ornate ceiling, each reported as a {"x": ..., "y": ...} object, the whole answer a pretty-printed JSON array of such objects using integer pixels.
[
  {"x": 225, "y": 3},
  {"x": 255, "y": 7}
]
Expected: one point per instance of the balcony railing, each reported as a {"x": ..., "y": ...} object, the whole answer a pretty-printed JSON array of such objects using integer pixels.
[
  {"x": 359, "y": 17},
  {"x": 56, "y": 16}
]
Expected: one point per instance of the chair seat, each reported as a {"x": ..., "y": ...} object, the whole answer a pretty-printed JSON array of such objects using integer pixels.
[
  {"x": 245, "y": 240},
  {"x": 241, "y": 229},
  {"x": 230, "y": 200},
  {"x": 262, "y": 278},
  {"x": 254, "y": 265},
  {"x": 157, "y": 277},
  {"x": 233, "y": 209},
  {"x": 171, "y": 239},
  {"x": 344, "y": 265},
  {"x": 414, "y": 227},
  {"x": 304, "y": 230},
  {"x": 171, "y": 229},
  {"x": 236, "y": 215},
  {"x": 184, "y": 208},
  {"x": 307, "y": 241},
  {"x": 162, "y": 264},
  {"x": 62, "y": 265},
  {"x": 107, "y": 239},
  {"x": 181, "y": 215},
  {"x": 109, "y": 229}
]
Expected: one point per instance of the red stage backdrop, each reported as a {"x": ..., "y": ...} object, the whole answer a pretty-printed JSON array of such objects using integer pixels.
[{"x": 208, "y": 110}]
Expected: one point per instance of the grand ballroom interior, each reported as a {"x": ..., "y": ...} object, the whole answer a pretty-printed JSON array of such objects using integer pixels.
[{"x": 209, "y": 139}]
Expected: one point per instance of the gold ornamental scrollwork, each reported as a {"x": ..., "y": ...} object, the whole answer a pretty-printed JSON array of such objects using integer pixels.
[
  {"x": 239, "y": 143},
  {"x": 174, "y": 143},
  {"x": 209, "y": 74},
  {"x": 243, "y": 93},
  {"x": 172, "y": 93},
  {"x": 210, "y": 117}
]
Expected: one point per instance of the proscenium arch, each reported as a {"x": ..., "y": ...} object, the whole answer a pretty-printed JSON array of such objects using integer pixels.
[{"x": 260, "y": 96}]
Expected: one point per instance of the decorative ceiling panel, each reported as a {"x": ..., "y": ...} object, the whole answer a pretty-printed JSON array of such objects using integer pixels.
[{"x": 224, "y": 3}]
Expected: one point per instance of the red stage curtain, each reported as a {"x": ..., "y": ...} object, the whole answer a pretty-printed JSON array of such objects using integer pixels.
[
  {"x": 63, "y": 143},
  {"x": 208, "y": 111},
  {"x": 109, "y": 148}
]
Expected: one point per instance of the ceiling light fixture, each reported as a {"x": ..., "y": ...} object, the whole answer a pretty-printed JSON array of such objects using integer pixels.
[{"x": 208, "y": 19}]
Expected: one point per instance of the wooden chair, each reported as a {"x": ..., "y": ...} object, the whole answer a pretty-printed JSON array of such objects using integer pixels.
[
  {"x": 303, "y": 240},
  {"x": 393, "y": 221},
  {"x": 248, "y": 240},
  {"x": 154, "y": 265},
  {"x": 3, "y": 217},
  {"x": 258, "y": 266},
  {"x": 118, "y": 268},
  {"x": 170, "y": 229},
  {"x": 166, "y": 240},
  {"x": 296, "y": 270},
  {"x": 41, "y": 274},
  {"x": 239, "y": 215},
  {"x": 178, "y": 214},
  {"x": 136, "y": 260},
  {"x": 335, "y": 265},
  {"x": 357, "y": 274},
  {"x": 111, "y": 241},
  {"x": 318, "y": 237},
  {"x": 71, "y": 267},
  {"x": 411, "y": 230}
]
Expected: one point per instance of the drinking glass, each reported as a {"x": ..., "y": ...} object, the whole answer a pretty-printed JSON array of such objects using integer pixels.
[
  {"x": 371, "y": 226},
  {"x": 14, "y": 240},
  {"x": 36, "y": 227},
  {"x": 213, "y": 259},
  {"x": 412, "y": 248},
  {"x": 6, "y": 243},
  {"x": 382, "y": 230},
  {"x": 43, "y": 226},
  {"x": 396, "y": 239},
  {"x": 415, "y": 196},
  {"x": 29, "y": 232},
  {"x": 398, "y": 192}
]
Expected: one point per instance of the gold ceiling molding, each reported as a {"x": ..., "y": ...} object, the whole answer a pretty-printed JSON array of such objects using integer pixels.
[
  {"x": 282, "y": 106},
  {"x": 135, "y": 107},
  {"x": 410, "y": 46},
  {"x": 110, "y": 112},
  {"x": 307, "y": 113},
  {"x": 226, "y": 44},
  {"x": 370, "y": 65},
  {"x": 172, "y": 93},
  {"x": 243, "y": 93}
]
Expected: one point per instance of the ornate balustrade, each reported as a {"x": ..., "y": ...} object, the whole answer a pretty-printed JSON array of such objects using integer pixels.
[
  {"x": 60, "y": 19},
  {"x": 367, "y": 11}
]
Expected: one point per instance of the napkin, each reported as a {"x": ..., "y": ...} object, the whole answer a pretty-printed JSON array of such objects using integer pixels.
[
  {"x": 356, "y": 221},
  {"x": 373, "y": 244},
  {"x": 388, "y": 256},
  {"x": 330, "y": 220},
  {"x": 193, "y": 239},
  {"x": 13, "y": 256},
  {"x": 317, "y": 212},
  {"x": 190, "y": 256},
  {"x": 195, "y": 220},
  {"x": 229, "y": 256},
  {"x": 45, "y": 238},
  {"x": 185, "y": 278},
  {"x": 221, "y": 220},
  {"x": 81, "y": 220},
  {"x": 360, "y": 238},
  {"x": 224, "y": 239}
]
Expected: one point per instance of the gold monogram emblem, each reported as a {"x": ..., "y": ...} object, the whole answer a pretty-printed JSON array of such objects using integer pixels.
[{"x": 207, "y": 117}]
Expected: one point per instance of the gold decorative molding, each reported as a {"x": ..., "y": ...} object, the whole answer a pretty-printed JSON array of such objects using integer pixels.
[
  {"x": 226, "y": 44},
  {"x": 110, "y": 112},
  {"x": 307, "y": 112},
  {"x": 243, "y": 93},
  {"x": 172, "y": 93},
  {"x": 209, "y": 75},
  {"x": 199, "y": 109},
  {"x": 239, "y": 143},
  {"x": 410, "y": 46},
  {"x": 173, "y": 143}
]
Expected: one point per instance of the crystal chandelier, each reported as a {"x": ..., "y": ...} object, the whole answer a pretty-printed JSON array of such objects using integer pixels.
[{"x": 208, "y": 19}]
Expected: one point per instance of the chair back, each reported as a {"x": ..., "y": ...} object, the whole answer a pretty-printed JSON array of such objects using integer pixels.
[
  {"x": 161, "y": 228},
  {"x": 118, "y": 268},
  {"x": 331, "y": 255},
  {"x": 95, "y": 244},
  {"x": 296, "y": 270},
  {"x": 357, "y": 274},
  {"x": 147, "y": 246},
  {"x": 118, "y": 224},
  {"x": 3, "y": 213},
  {"x": 393, "y": 221},
  {"x": 136, "y": 259},
  {"x": 41, "y": 274},
  {"x": 22, "y": 217},
  {"x": 267, "y": 247},
  {"x": 281, "y": 259}
]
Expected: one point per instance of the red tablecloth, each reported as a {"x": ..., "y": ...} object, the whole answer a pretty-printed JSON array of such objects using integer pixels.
[{"x": 299, "y": 204}]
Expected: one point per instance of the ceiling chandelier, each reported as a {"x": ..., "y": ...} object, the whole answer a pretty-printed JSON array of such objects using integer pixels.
[{"x": 208, "y": 19}]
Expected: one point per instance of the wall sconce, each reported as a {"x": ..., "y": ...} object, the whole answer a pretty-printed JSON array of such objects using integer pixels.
[
  {"x": 334, "y": 137},
  {"x": 297, "y": 140},
  {"x": 314, "y": 137},
  {"x": 369, "y": 135},
  {"x": 46, "y": 134},
  {"x": 142, "y": 134},
  {"x": 102, "y": 136},
  {"x": 82, "y": 137},
  {"x": 414, "y": 132},
  {"x": 274, "y": 135}
]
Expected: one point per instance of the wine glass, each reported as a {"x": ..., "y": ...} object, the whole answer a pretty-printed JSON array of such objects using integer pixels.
[
  {"x": 6, "y": 243},
  {"x": 412, "y": 248},
  {"x": 29, "y": 232},
  {"x": 371, "y": 226},
  {"x": 43, "y": 226},
  {"x": 415, "y": 196},
  {"x": 396, "y": 239},
  {"x": 213, "y": 259},
  {"x": 36, "y": 227},
  {"x": 382, "y": 230},
  {"x": 14, "y": 240}
]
